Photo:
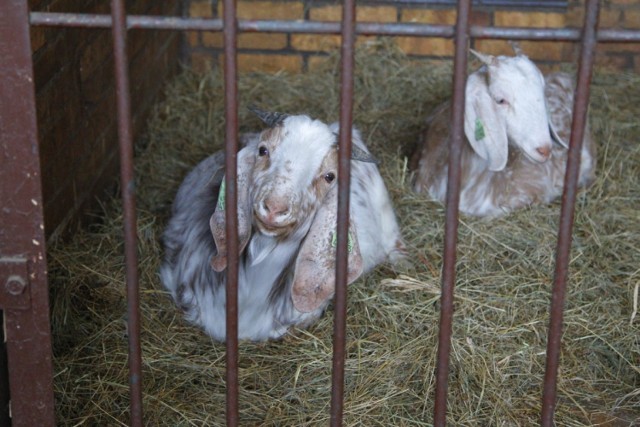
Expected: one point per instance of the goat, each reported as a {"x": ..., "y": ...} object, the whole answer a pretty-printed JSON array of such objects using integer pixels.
[
  {"x": 287, "y": 203},
  {"x": 517, "y": 125}
]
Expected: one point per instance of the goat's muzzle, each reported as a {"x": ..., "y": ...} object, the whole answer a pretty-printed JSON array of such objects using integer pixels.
[
  {"x": 541, "y": 154},
  {"x": 274, "y": 216}
]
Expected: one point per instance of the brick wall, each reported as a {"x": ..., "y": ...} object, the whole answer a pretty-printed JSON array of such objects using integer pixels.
[
  {"x": 75, "y": 99},
  {"x": 298, "y": 52}
]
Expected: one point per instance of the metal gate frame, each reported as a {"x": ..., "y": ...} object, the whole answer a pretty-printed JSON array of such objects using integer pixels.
[{"x": 24, "y": 292}]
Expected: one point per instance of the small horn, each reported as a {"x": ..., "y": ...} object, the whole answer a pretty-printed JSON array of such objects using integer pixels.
[
  {"x": 516, "y": 48},
  {"x": 272, "y": 119},
  {"x": 362, "y": 156},
  {"x": 486, "y": 59},
  {"x": 359, "y": 154}
]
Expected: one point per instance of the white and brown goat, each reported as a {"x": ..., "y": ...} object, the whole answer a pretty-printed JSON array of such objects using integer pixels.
[
  {"x": 287, "y": 215},
  {"x": 517, "y": 127}
]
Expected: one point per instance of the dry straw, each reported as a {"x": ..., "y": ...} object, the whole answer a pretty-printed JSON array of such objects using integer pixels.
[{"x": 502, "y": 293}]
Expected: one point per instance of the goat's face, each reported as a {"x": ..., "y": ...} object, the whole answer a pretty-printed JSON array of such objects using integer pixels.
[
  {"x": 296, "y": 165},
  {"x": 516, "y": 86}
]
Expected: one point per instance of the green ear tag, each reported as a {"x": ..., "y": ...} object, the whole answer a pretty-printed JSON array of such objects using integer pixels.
[
  {"x": 334, "y": 241},
  {"x": 221, "y": 196},
  {"x": 479, "y": 131}
]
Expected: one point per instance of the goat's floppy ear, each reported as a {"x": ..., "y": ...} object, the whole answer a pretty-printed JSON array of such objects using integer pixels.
[
  {"x": 217, "y": 223},
  {"x": 314, "y": 276},
  {"x": 485, "y": 129}
]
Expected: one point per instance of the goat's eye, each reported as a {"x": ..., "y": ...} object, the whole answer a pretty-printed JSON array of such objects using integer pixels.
[
  {"x": 501, "y": 101},
  {"x": 329, "y": 177},
  {"x": 263, "y": 151}
]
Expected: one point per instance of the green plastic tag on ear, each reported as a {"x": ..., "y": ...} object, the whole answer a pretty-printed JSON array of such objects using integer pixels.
[
  {"x": 334, "y": 241},
  {"x": 221, "y": 196},
  {"x": 479, "y": 131}
]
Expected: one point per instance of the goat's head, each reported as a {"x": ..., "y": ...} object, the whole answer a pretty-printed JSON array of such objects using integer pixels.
[
  {"x": 296, "y": 165},
  {"x": 287, "y": 186},
  {"x": 505, "y": 104}
]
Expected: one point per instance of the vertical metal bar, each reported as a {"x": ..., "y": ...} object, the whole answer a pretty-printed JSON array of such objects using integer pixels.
[
  {"x": 22, "y": 240},
  {"x": 5, "y": 419},
  {"x": 127, "y": 182},
  {"x": 451, "y": 224},
  {"x": 231, "y": 146},
  {"x": 28, "y": 331},
  {"x": 580, "y": 108},
  {"x": 344, "y": 179}
]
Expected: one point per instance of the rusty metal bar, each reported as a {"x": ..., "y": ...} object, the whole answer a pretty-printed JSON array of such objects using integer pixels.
[
  {"x": 24, "y": 292},
  {"x": 344, "y": 179},
  {"x": 524, "y": 3},
  {"x": 5, "y": 419},
  {"x": 452, "y": 202},
  {"x": 308, "y": 27},
  {"x": 231, "y": 147},
  {"x": 127, "y": 182},
  {"x": 563, "y": 249}
]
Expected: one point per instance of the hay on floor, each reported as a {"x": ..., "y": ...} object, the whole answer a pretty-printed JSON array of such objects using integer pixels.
[{"x": 502, "y": 294}]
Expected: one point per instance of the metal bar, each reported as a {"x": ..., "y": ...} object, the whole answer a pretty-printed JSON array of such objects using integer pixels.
[
  {"x": 522, "y": 3},
  {"x": 452, "y": 202},
  {"x": 231, "y": 147},
  {"x": 563, "y": 249},
  {"x": 5, "y": 419},
  {"x": 127, "y": 182},
  {"x": 313, "y": 27},
  {"x": 344, "y": 180},
  {"x": 22, "y": 240}
]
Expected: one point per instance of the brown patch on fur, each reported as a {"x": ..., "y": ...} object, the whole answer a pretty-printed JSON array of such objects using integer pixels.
[
  {"x": 269, "y": 138},
  {"x": 432, "y": 158},
  {"x": 329, "y": 164}
]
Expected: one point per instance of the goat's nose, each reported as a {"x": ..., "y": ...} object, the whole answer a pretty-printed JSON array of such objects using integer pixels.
[
  {"x": 544, "y": 151},
  {"x": 275, "y": 207}
]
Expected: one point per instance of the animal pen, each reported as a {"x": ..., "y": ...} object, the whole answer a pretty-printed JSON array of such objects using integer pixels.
[{"x": 27, "y": 394}]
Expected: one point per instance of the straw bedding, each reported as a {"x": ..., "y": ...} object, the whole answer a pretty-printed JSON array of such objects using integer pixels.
[{"x": 505, "y": 270}]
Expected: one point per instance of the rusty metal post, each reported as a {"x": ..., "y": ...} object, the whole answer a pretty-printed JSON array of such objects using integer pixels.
[
  {"x": 5, "y": 419},
  {"x": 24, "y": 292},
  {"x": 344, "y": 175},
  {"x": 563, "y": 249},
  {"x": 127, "y": 182},
  {"x": 452, "y": 202},
  {"x": 231, "y": 213}
]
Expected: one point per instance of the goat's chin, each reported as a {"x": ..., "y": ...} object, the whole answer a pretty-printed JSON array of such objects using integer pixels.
[
  {"x": 536, "y": 158},
  {"x": 274, "y": 230}
]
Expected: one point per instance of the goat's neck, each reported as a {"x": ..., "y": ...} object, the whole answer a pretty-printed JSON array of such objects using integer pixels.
[{"x": 266, "y": 257}]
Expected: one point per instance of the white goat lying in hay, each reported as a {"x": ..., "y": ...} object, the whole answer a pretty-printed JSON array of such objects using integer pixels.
[
  {"x": 287, "y": 212},
  {"x": 517, "y": 124}
]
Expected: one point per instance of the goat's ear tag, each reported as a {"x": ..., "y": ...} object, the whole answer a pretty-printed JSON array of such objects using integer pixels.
[
  {"x": 334, "y": 241},
  {"x": 221, "y": 196},
  {"x": 479, "y": 131}
]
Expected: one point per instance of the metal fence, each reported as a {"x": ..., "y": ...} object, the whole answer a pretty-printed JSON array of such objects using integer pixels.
[{"x": 24, "y": 295}]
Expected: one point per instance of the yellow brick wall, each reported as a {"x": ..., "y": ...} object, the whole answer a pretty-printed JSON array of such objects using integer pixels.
[{"x": 299, "y": 52}]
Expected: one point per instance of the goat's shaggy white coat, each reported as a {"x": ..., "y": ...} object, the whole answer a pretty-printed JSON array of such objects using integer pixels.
[{"x": 288, "y": 188}]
